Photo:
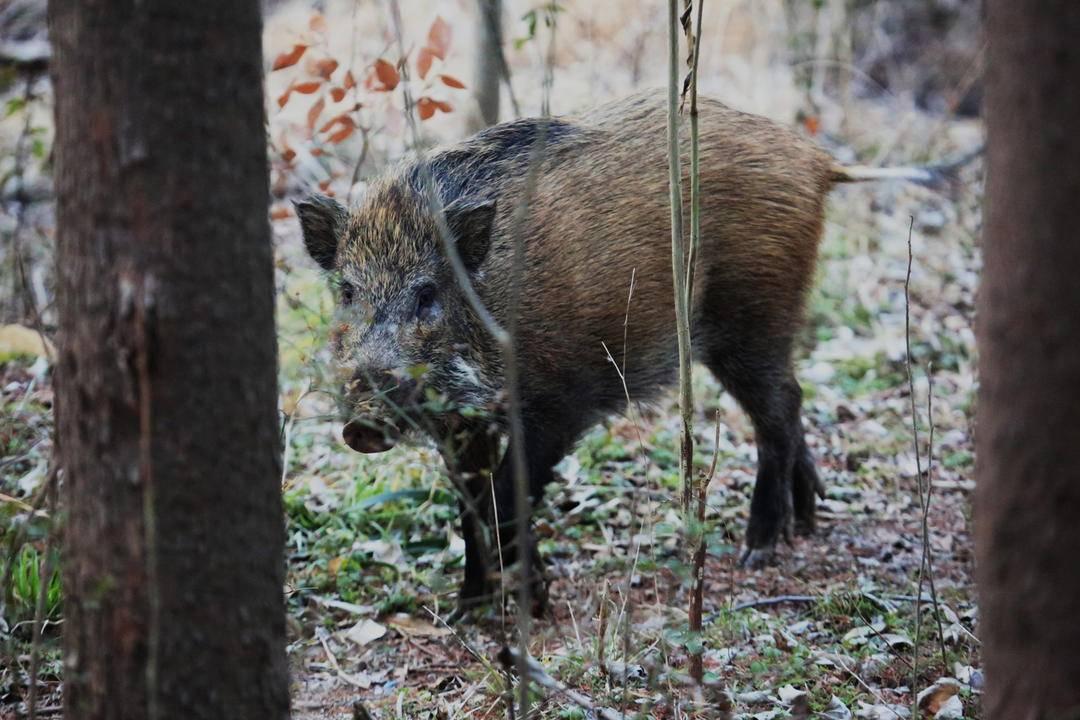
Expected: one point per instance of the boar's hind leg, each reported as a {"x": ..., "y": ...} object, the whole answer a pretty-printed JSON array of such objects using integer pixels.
[
  {"x": 469, "y": 465},
  {"x": 765, "y": 387},
  {"x": 807, "y": 489}
]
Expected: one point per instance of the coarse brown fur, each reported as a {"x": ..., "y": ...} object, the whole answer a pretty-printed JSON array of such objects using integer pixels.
[{"x": 599, "y": 216}]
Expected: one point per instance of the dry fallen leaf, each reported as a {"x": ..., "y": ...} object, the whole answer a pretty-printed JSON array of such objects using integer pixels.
[
  {"x": 364, "y": 632},
  {"x": 934, "y": 697},
  {"x": 415, "y": 627},
  {"x": 20, "y": 340}
]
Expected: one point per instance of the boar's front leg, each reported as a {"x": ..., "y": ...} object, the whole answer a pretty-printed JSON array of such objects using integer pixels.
[
  {"x": 548, "y": 438},
  {"x": 469, "y": 464}
]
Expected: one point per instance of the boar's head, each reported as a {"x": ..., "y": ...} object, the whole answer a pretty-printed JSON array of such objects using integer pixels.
[{"x": 403, "y": 337}]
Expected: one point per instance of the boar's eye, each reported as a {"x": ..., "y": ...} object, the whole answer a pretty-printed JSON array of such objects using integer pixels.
[
  {"x": 348, "y": 293},
  {"x": 425, "y": 302}
]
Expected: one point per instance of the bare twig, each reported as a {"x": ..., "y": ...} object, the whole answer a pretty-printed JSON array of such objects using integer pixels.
[
  {"x": 926, "y": 564},
  {"x": 697, "y": 589},
  {"x": 678, "y": 260}
]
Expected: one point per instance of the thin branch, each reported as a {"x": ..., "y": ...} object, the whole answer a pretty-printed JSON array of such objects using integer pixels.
[
  {"x": 926, "y": 563},
  {"x": 678, "y": 258}
]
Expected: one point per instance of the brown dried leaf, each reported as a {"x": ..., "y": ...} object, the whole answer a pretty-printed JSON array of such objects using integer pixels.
[
  {"x": 326, "y": 67},
  {"x": 350, "y": 81},
  {"x": 341, "y": 134},
  {"x": 439, "y": 36},
  {"x": 287, "y": 59},
  {"x": 425, "y": 107},
  {"x": 314, "y": 112},
  {"x": 452, "y": 81},
  {"x": 307, "y": 87},
  {"x": 337, "y": 94},
  {"x": 342, "y": 119},
  {"x": 387, "y": 74},
  {"x": 423, "y": 61}
]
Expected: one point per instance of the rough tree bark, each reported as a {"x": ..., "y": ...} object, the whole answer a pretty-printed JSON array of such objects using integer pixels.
[
  {"x": 1028, "y": 468},
  {"x": 166, "y": 387}
]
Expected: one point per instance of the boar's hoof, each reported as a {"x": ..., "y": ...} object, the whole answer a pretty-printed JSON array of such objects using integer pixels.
[
  {"x": 758, "y": 558},
  {"x": 365, "y": 437}
]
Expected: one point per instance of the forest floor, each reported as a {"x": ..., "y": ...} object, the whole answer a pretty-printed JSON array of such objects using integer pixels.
[
  {"x": 831, "y": 631},
  {"x": 375, "y": 559}
]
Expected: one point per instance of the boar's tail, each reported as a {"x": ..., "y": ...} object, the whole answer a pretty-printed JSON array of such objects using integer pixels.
[{"x": 940, "y": 176}]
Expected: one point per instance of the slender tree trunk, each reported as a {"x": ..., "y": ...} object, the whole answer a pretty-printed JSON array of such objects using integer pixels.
[
  {"x": 489, "y": 59},
  {"x": 166, "y": 388},
  {"x": 1028, "y": 501}
]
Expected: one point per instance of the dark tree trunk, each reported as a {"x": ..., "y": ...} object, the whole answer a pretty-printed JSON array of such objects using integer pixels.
[
  {"x": 1028, "y": 501},
  {"x": 166, "y": 388}
]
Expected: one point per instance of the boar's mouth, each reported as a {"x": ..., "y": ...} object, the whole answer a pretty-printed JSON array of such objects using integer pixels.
[{"x": 368, "y": 436}]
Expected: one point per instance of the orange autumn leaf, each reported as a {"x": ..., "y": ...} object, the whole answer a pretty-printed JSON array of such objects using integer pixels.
[
  {"x": 280, "y": 212},
  {"x": 452, "y": 81},
  {"x": 337, "y": 94},
  {"x": 288, "y": 155},
  {"x": 343, "y": 118},
  {"x": 314, "y": 112},
  {"x": 423, "y": 61},
  {"x": 341, "y": 134},
  {"x": 812, "y": 123},
  {"x": 326, "y": 67},
  {"x": 350, "y": 81},
  {"x": 387, "y": 74},
  {"x": 438, "y": 38},
  {"x": 307, "y": 87},
  {"x": 290, "y": 58},
  {"x": 284, "y": 98},
  {"x": 426, "y": 107}
]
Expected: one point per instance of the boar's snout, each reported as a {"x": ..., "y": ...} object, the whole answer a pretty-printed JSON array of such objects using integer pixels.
[{"x": 367, "y": 436}]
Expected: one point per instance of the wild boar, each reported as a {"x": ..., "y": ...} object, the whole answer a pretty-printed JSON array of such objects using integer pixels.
[{"x": 419, "y": 360}]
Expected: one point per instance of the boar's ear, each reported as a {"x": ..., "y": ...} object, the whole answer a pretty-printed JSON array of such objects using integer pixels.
[
  {"x": 470, "y": 222},
  {"x": 322, "y": 220}
]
